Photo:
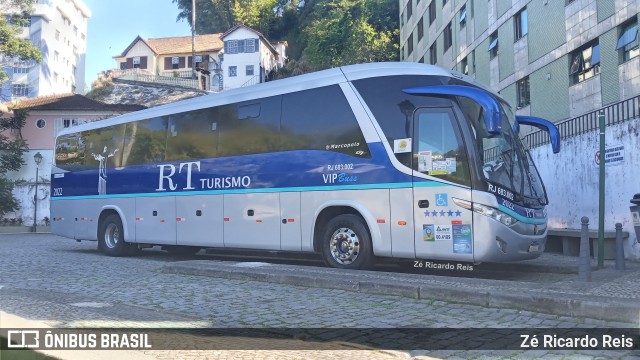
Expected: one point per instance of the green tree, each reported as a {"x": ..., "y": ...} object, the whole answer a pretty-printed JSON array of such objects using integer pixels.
[
  {"x": 352, "y": 31},
  {"x": 11, "y": 151},
  {"x": 13, "y": 14},
  {"x": 212, "y": 16}
]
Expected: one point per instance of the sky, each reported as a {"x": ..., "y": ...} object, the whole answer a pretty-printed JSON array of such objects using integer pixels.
[{"x": 115, "y": 23}]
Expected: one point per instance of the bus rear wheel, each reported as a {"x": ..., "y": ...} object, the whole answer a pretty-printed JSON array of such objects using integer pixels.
[
  {"x": 111, "y": 237},
  {"x": 346, "y": 243}
]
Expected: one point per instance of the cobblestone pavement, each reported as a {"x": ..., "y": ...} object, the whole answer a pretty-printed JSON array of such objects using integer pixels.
[{"x": 63, "y": 283}]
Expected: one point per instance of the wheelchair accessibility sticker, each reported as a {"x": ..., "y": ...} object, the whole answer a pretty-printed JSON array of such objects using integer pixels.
[{"x": 441, "y": 200}]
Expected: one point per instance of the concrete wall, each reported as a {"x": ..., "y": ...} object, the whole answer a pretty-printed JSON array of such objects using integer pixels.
[
  {"x": 571, "y": 179},
  {"x": 25, "y": 188}
]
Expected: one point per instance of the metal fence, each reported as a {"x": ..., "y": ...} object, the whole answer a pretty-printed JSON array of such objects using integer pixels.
[{"x": 613, "y": 114}]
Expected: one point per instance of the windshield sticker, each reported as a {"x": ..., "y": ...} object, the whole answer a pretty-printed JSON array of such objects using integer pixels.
[
  {"x": 425, "y": 161},
  {"x": 462, "y": 243},
  {"x": 451, "y": 165},
  {"x": 402, "y": 145},
  {"x": 427, "y": 232}
]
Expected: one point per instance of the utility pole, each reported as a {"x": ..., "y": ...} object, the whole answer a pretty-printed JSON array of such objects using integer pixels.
[{"x": 193, "y": 39}]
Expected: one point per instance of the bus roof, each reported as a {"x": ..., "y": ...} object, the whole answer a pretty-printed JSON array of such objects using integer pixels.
[{"x": 278, "y": 87}]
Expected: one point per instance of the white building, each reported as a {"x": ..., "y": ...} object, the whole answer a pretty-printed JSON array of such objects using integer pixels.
[
  {"x": 239, "y": 57},
  {"x": 59, "y": 29},
  {"x": 249, "y": 58}
]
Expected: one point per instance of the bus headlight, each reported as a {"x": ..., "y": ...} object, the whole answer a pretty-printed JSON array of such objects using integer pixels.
[{"x": 495, "y": 214}]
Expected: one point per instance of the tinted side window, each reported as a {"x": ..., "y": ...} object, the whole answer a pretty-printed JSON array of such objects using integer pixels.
[
  {"x": 70, "y": 153},
  {"x": 192, "y": 135},
  {"x": 104, "y": 145},
  {"x": 145, "y": 141},
  {"x": 393, "y": 109},
  {"x": 321, "y": 119},
  {"x": 250, "y": 127}
]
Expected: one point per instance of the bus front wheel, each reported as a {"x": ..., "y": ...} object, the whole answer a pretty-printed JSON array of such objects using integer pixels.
[
  {"x": 111, "y": 240},
  {"x": 346, "y": 243}
]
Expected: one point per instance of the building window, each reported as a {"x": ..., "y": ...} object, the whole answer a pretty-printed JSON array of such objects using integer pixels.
[
  {"x": 420, "y": 29},
  {"x": 433, "y": 53},
  {"x": 233, "y": 71},
  {"x": 40, "y": 123},
  {"x": 432, "y": 12},
  {"x": 520, "y": 24},
  {"x": 56, "y": 56},
  {"x": 250, "y": 45},
  {"x": 57, "y": 35},
  {"x": 69, "y": 122},
  {"x": 463, "y": 16},
  {"x": 232, "y": 47},
  {"x": 75, "y": 30},
  {"x": 73, "y": 69},
  {"x": 20, "y": 90},
  {"x": 523, "y": 93},
  {"x": 175, "y": 62},
  {"x": 464, "y": 66},
  {"x": 585, "y": 63},
  {"x": 410, "y": 45},
  {"x": 448, "y": 37},
  {"x": 493, "y": 45},
  {"x": 82, "y": 36},
  {"x": 136, "y": 62},
  {"x": 55, "y": 77},
  {"x": 409, "y": 9},
  {"x": 75, "y": 50},
  {"x": 628, "y": 41},
  {"x": 21, "y": 67},
  {"x": 249, "y": 70}
]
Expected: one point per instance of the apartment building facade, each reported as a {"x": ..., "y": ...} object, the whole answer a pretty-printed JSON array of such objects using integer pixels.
[
  {"x": 59, "y": 29},
  {"x": 555, "y": 59}
]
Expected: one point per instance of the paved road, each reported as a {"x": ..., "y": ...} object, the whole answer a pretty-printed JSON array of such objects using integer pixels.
[{"x": 68, "y": 284}]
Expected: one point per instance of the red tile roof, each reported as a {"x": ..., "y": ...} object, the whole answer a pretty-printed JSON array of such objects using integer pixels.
[
  {"x": 179, "y": 44},
  {"x": 73, "y": 102}
]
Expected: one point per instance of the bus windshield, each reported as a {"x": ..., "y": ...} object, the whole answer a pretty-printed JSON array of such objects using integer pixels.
[{"x": 508, "y": 165}]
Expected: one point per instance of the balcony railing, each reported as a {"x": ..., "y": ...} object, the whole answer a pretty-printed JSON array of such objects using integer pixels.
[{"x": 615, "y": 113}]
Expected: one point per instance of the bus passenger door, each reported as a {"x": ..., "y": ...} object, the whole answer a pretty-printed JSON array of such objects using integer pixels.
[{"x": 443, "y": 230}]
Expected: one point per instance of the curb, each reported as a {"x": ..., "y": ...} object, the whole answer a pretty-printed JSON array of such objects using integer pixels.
[{"x": 488, "y": 293}]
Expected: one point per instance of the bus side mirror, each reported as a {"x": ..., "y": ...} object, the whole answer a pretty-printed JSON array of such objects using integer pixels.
[
  {"x": 489, "y": 104},
  {"x": 548, "y": 126}
]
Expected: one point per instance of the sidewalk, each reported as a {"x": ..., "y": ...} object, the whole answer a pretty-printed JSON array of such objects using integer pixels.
[
  {"x": 548, "y": 284},
  {"x": 19, "y": 229}
]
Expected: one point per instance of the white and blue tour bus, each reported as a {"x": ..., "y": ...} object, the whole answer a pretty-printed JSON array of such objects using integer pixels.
[{"x": 398, "y": 160}]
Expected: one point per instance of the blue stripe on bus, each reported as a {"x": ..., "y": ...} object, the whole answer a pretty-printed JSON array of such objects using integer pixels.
[{"x": 251, "y": 191}]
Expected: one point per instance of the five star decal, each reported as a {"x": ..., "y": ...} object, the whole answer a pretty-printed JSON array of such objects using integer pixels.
[{"x": 442, "y": 213}]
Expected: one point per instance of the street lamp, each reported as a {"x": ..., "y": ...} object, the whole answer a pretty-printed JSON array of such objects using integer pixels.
[{"x": 37, "y": 158}]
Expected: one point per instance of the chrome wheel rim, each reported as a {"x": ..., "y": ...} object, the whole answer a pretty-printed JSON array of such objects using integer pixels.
[
  {"x": 112, "y": 236},
  {"x": 344, "y": 246}
]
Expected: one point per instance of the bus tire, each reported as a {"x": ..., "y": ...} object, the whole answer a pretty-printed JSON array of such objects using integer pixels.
[
  {"x": 346, "y": 243},
  {"x": 181, "y": 250},
  {"x": 111, "y": 237}
]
